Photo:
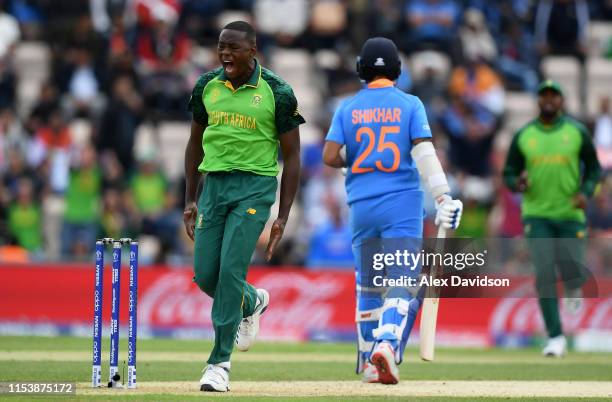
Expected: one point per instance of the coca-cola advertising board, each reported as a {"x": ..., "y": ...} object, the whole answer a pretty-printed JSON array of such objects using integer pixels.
[{"x": 305, "y": 305}]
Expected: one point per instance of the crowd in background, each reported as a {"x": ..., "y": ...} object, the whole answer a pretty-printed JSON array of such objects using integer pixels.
[{"x": 116, "y": 65}]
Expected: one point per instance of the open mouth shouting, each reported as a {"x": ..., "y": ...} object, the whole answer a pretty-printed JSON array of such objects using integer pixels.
[{"x": 228, "y": 67}]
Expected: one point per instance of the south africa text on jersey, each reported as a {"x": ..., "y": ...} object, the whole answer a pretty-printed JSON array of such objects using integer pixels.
[{"x": 233, "y": 119}]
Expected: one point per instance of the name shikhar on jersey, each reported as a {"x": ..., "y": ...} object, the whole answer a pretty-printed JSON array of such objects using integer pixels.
[{"x": 378, "y": 126}]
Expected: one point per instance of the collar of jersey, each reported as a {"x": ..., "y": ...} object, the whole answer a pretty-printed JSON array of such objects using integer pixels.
[
  {"x": 555, "y": 123},
  {"x": 253, "y": 81},
  {"x": 380, "y": 83}
]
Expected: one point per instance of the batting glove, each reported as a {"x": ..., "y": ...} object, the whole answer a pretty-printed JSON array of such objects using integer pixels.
[{"x": 448, "y": 212}]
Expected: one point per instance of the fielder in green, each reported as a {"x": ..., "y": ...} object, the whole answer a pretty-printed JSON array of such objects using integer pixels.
[
  {"x": 552, "y": 161},
  {"x": 241, "y": 113}
]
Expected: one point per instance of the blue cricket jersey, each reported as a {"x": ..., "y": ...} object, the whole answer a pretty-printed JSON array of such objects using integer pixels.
[{"x": 377, "y": 126}]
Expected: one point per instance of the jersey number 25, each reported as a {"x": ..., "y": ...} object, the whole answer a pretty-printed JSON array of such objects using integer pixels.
[{"x": 367, "y": 132}]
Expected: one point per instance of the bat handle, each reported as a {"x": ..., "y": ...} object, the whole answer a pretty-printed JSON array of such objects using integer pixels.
[{"x": 441, "y": 232}]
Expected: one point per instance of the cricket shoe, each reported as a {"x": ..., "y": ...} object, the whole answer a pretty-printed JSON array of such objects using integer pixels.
[
  {"x": 249, "y": 326},
  {"x": 215, "y": 379},
  {"x": 383, "y": 358},
  {"x": 556, "y": 347},
  {"x": 370, "y": 373}
]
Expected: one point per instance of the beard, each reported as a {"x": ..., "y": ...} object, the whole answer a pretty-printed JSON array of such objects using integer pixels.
[{"x": 549, "y": 112}]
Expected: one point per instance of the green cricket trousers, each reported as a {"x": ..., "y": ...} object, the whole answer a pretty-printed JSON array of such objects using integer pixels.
[
  {"x": 232, "y": 211},
  {"x": 556, "y": 245}
]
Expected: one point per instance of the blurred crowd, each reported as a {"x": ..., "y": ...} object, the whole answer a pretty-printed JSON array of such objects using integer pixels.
[{"x": 80, "y": 79}]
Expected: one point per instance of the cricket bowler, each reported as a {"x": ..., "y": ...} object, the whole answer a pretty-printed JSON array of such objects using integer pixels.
[
  {"x": 241, "y": 112},
  {"x": 552, "y": 161},
  {"x": 387, "y": 141}
]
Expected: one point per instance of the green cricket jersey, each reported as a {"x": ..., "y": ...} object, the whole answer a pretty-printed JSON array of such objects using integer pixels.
[
  {"x": 24, "y": 222},
  {"x": 83, "y": 196},
  {"x": 243, "y": 125},
  {"x": 560, "y": 162}
]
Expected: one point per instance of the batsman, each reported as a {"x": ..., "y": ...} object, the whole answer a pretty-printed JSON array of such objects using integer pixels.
[
  {"x": 552, "y": 161},
  {"x": 387, "y": 143},
  {"x": 242, "y": 112}
]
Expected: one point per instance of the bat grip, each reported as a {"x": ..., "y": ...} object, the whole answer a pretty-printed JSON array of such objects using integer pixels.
[{"x": 441, "y": 232}]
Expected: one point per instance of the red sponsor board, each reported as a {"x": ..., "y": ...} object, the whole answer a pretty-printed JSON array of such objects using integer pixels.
[
  {"x": 303, "y": 305},
  {"x": 302, "y": 302}
]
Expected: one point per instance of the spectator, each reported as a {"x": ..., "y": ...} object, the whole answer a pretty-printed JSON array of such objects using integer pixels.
[
  {"x": 82, "y": 206},
  {"x": 149, "y": 187},
  {"x": 385, "y": 19},
  {"x": 12, "y": 136},
  {"x": 61, "y": 19},
  {"x": 84, "y": 36},
  {"x": 432, "y": 24},
  {"x": 155, "y": 204},
  {"x": 519, "y": 60},
  {"x": 147, "y": 11},
  {"x": 120, "y": 122},
  {"x": 330, "y": 244},
  {"x": 328, "y": 23},
  {"x": 163, "y": 55},
  {"x": 476, "y": 40},
  {"x": 476, "y": 195},
  {"x": 470, "y": 128},
  {"x": 199, "y": 20},
  {"x": 274, "y": 27},
  {"x": 46, "y": 104},
  {"x": 103, "y": 12},
  {"x": 508, "y": 206},
  {"x": 492, "y": 12},
  {"x": 25, "y": 219},
  {"x": 476, "y": 82},
  {"x": 52, "y": 145},
  {"x": 29, "y": 17},
  {"x": 120, "y": 55},
  {"x": 603, "y": 134},
  {"x": 8, "y": 82},
  {"x": 117, "y": 218},
  {"x": 312, "y": 158},
  {"x": 605, "y": 10},
  {"x": 113, "y": 175},
  {"x": 599, "y": 212},
  {"x": 561, "y": 27},
  {"x": 16, "y": 171},
  {"x": 82, "y": 84},
  {"x": 603, "y": 126},
  {"x": 329, "y": 183},
  {"x": 431, "y": 87},
  {"x": 9, "y": 32}
]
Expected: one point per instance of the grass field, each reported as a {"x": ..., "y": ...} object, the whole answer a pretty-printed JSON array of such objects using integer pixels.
[{"x": 170, "y": 370}]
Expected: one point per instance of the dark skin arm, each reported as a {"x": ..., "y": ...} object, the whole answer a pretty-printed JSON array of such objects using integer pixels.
[
  {"x": 290, "y": 147},
  {"x": 193, "y": 157},
  {"x": 331, "y": 153}
]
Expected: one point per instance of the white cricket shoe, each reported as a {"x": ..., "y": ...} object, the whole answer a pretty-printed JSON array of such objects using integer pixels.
[
  {"x": 249, "y": 326},
  {"x": 370, "y": 373},
  {"x": 383, "y": 357},
  {"x": 555, "y": 347},
  {"x": 215, "y": 379}
]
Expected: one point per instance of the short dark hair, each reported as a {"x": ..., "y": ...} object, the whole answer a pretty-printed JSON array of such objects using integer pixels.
[{"x": 243, "y": 26}]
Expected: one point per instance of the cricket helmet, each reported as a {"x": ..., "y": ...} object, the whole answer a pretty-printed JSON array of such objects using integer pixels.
[{"x": 379, "y": 56}]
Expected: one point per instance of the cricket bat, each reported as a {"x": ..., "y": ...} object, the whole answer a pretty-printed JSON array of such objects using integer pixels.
[{"x": 429, "y": 314}]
